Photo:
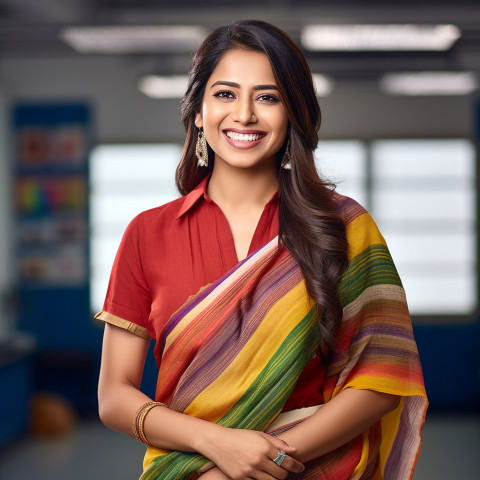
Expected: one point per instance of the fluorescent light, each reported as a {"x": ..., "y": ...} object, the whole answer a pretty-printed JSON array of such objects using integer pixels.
[
  {"x": 323, "y": 84},
  {"x": 379, "y": 37},
  {"x": 429, "y": 83},
  {"x": 133, "y": 39},
  {"x": 156, "y": 86}
]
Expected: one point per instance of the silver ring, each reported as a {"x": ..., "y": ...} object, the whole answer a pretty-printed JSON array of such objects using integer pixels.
[{"x": 280, "y": 457}]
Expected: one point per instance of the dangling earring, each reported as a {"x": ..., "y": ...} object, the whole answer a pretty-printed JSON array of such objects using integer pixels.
[
  {"x": 286, "y": 160},
  {"x": 201, "y": 150}
]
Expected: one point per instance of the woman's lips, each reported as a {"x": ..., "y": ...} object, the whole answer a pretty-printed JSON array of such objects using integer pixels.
[{"x": 244, "y": 138}]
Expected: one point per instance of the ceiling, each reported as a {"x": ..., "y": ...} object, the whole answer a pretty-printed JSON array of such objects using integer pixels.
[{"x": 30, "y": 28}]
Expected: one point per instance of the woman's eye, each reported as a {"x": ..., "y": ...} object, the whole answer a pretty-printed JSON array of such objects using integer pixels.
[
  {"x": 223, "y": 94},
  {"x": 268, "y": 98}
]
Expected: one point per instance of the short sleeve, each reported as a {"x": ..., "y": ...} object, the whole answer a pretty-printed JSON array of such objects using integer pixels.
[{"x": 128, "y": 300}]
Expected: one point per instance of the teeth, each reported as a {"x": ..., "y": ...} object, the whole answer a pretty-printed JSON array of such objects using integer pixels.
[{"x": 244, "y": 137}]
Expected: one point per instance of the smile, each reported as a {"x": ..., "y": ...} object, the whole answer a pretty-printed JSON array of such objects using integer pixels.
[{"x": 244, "y": 137}]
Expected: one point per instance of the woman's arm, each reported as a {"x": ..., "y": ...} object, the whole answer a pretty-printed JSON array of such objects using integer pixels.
[
  {"x": 238, "y": 453},
  {"x": 337, "y": 422},
  {"x": 119, "y": 397}
]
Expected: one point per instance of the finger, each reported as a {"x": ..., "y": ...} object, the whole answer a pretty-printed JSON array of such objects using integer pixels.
[
  {"x": 292, "y": 465},
  {"x": 206, "y": 467},
  {"x": 278, "y": 443},
  {"x": 262, "y": 475},
  {"x": 276, "y": 471},
  {"x": 289, "y": 464}
]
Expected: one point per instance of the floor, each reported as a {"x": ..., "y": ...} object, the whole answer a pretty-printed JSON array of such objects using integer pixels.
[{"x": 451, "y": 450}]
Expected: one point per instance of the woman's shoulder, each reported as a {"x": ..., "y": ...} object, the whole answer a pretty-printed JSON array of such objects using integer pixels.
[
  {"x": 348, "y": 208},
  {"x": 361, "y": 229},
  {"x": 157, "y": 216}
]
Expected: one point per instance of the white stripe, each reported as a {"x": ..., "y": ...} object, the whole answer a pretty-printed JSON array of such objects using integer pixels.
[{"x": 286, "y": 418}]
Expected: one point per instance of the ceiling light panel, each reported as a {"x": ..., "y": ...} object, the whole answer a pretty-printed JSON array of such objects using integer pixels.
[
  {"x": 133, "y": 39},
  {"x": 429, "y": 83},
  {"x": 400, "y": 37},
  {"x": 158, "y": 86}
]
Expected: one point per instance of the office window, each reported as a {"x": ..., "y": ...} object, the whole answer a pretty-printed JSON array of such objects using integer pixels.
[
  {"x": 124, "y": 181},
  {"x": 422, "y": 194},
  {"x": 424, "y": 200}
]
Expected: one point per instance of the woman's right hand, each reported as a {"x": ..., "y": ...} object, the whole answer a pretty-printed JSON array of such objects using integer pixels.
[{"x": 242, "y": 454}]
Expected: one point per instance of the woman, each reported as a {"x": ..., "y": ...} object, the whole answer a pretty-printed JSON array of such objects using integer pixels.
[{"x": 282, "y": 334}]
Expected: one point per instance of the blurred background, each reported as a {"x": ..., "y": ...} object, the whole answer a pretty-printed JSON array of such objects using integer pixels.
[{"x": 90, "y": 136}]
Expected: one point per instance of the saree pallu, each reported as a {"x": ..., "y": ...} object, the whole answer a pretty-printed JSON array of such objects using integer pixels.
[{"x": 232, "y": 354}]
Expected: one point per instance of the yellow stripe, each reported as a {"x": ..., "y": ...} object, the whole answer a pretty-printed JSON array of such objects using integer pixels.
[
  {"x": 389, "y": 425},
  {"x": 362, "y": 464},
  {"x": 220, "y": 396},
  {"x": 361, "y": 233},
  {"x": 385, "y": 385},
  {"x": 151, "y": 454}
]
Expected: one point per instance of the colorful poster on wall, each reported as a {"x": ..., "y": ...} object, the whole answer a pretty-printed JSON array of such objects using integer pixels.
[{"x": 51, "y": 149}]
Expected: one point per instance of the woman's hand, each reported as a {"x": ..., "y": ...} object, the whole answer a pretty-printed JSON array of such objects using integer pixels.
[
  {"x": 242, "y": 454},
  {"x": 214, "y": 474}
]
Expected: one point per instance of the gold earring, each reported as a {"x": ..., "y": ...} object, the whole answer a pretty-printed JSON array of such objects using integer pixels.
[
  {"x": 286, "y": 160},
  {"x": 201, "y": 150}
]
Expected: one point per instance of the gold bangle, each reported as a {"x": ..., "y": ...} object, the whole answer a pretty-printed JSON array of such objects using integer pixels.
[
  {"x": 139, "y": 420},
  {"x": 135, "y": 420}
]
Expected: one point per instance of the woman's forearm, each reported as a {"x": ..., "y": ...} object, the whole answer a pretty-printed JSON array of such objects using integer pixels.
[
  {"x": 337, "y": 422},
  {"x": 164, "y": 428}
]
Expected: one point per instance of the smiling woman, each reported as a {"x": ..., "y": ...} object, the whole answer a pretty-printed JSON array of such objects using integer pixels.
[
  {"x": 244, "y": 121},
  {"x": 282, "y": 334}
]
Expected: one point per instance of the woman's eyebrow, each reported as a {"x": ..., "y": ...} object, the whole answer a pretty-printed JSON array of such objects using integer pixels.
[{"x": 236, "y": 85}]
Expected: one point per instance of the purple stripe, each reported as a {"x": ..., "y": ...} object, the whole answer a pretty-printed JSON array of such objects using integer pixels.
[
  {"x": 193, "y": 301},
  {"x": 373, "y": 330}
]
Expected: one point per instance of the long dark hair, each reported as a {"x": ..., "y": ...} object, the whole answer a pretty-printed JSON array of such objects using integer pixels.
[{"x": 310, "y": 225}]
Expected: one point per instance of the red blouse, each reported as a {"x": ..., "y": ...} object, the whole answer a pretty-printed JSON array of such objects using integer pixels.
[{"x": 168, "y": 253}]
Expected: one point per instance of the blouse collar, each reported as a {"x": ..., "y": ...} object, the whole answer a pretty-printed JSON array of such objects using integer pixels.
[{"x": 201, "y": 191}]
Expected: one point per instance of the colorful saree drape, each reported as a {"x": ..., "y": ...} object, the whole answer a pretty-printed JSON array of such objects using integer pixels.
[{"x": 232, "y": 354}]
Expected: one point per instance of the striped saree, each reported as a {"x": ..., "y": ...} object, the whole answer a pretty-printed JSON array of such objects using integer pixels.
[{"x": 232, "y": 354}]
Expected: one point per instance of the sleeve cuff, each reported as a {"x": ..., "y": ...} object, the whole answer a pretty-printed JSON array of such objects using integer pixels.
[{"x": 122, "y": 323}]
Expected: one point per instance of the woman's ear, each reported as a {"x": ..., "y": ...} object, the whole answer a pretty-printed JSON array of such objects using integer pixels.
[{"x": 198, "y": 120}]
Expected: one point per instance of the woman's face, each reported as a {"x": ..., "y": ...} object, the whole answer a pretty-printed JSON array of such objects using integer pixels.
[{"x": 243, "y": 119}]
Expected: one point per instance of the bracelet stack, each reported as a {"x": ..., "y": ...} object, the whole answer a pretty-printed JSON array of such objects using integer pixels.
[{"x": 139, "y": 420}]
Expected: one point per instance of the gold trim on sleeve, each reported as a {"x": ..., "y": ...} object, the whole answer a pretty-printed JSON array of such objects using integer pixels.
[{"x": 122, "y": 323}]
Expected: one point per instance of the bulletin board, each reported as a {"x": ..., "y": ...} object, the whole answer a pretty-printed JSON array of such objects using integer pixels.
[{"x": 51, "y": 145}]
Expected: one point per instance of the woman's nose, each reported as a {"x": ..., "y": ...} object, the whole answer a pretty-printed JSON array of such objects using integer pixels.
[{"x": 244, "y": 112}]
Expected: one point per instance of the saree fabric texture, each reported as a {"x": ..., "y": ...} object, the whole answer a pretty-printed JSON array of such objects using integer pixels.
[{"x": 235, "y": 351}]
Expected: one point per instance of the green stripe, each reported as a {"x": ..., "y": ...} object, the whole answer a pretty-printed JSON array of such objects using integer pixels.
[
  {"x": 265, "y": 397},
  {"x": 373, "y": 266},
  {"x": 260, "y": 404}
]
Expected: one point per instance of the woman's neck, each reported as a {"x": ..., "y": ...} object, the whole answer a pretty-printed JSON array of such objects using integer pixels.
[{"x": 238, "y": 189}]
